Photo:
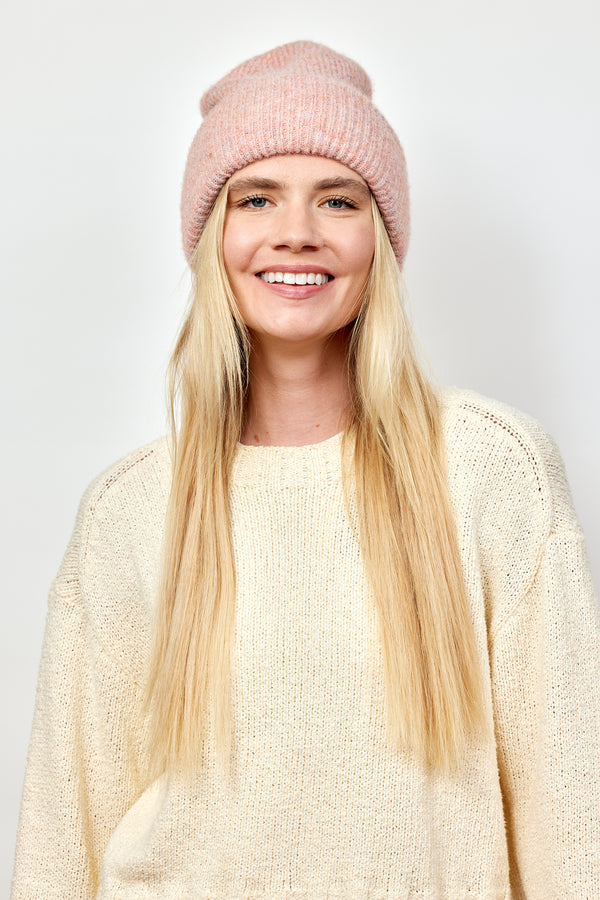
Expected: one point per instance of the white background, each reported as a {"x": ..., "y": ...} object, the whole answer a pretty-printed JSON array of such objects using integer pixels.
[{"x": 497, "y": 109}]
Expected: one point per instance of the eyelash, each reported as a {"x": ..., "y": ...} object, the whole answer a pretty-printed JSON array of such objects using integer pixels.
[
  {"x": 246, "y": 201},
  {"x": 350, "y": 203}
]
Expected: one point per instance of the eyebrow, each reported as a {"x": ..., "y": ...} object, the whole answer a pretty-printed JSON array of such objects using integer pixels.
[
  {"x": 341, "y": 182},
  {"x": 268, "y": 184}
]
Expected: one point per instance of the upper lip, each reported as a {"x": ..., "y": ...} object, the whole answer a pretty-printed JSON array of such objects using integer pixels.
[{"x": 298, "y": 268}]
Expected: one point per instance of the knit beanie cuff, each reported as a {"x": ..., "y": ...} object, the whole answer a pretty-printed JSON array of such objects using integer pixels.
[{"x": 301, "y": 98}]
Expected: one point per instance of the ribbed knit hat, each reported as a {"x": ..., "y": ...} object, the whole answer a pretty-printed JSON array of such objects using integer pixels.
[{"x": 300, "y": 98}]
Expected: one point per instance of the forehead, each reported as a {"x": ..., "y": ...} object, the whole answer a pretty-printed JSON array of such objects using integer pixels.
[{"x": 297, "y": 169}]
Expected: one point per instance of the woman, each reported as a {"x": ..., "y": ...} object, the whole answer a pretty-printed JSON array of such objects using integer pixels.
[{"x": 338, "y": 639}]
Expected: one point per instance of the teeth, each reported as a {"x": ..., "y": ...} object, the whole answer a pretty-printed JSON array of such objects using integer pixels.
[{"x": 295, "y": 277}]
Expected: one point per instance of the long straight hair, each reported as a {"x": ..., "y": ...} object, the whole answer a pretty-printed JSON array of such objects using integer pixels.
[{"x": 434, "y": 693}]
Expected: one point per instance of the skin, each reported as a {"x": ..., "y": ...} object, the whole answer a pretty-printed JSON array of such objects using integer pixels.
[{"x": 298, "y": 213}]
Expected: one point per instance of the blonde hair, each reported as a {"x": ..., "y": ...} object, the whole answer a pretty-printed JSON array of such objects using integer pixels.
[{"x": 434, "y": 693}]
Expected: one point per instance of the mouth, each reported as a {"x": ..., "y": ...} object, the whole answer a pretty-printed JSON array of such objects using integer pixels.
[{"x": 307, "y": 277}]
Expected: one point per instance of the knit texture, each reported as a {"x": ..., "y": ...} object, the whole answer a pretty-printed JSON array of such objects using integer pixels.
[
  {"x": 298, "y": 98},
  {"x": 318, "y": 806}
]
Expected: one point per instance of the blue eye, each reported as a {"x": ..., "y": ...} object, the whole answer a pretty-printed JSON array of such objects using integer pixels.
[
  {"x": 340, "y": 203},
  {"x": 256, "y": 202}
]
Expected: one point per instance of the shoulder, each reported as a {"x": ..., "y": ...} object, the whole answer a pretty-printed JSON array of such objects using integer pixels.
[
  {"x": 505, "y": 456},
  {"x": 510, "y": 494},
  {"x": 132, "y": 489},
  {"x": 124, "y": 506},
  {"x": 129, "y": 481},
  {"x": 112, "y": 563}
]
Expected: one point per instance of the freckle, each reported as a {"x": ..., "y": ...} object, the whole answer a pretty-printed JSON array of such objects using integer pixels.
[
  {"x": 256, "y": 438},
  {"x": 317, "y": 426}
]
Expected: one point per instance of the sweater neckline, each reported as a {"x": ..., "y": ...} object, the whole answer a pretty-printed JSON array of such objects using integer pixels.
[{"x": 288, "y": 465}]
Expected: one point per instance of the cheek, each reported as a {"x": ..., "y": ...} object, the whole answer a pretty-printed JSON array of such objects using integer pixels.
[
  {"x": 238, "y": 248},
  {"x": 358, "y": 256},
  {"x": 230, "y": 249},
  {"x": 368, "y": 241},
  {"x": 361, "y": 251}
]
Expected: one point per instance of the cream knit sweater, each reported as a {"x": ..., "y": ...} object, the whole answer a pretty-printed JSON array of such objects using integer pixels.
[{"x": 319, "y": 808}]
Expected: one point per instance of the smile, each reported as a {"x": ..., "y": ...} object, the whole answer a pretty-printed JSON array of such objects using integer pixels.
[{"x": 295, "y": 277}]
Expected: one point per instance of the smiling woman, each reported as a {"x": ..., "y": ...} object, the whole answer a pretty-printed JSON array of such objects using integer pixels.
[
  {"x": 298, "y": 255},
  {"x": 337, "y": 637}
]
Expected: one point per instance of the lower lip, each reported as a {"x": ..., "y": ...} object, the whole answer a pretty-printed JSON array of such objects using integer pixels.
[{"x": 294, "y": 291}]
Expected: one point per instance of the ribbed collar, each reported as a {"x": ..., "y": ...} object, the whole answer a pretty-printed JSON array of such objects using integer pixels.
[{"x": 288, "y": 466}]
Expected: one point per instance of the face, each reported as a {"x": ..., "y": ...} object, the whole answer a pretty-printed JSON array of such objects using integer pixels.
[{"x": 298, "y": 245}]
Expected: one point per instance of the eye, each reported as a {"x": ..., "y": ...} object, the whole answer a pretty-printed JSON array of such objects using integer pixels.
[
  {"x": 256, "y": 201},
  {"x": 340, "y": 203}
]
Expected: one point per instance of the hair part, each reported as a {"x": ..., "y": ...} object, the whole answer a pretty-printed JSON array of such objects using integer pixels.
[{"x": 396, "y": 477}]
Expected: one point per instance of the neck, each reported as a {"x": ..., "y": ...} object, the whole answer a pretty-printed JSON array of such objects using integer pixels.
[{"x": 298, "y": 395}]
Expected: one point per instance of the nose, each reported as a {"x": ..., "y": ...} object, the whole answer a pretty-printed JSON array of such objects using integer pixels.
[{"x": 296, "y": 228}]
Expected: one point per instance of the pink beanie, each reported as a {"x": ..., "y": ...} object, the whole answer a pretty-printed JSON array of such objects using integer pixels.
[{"x": 298, "y": 98}]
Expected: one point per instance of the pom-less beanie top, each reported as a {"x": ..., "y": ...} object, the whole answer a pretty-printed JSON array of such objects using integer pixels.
[{"x": 300, "y": 98}]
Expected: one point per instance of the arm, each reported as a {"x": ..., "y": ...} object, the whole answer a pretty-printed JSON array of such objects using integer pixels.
[
  {"x": 82, "y": 770},
  {"x": 546, "y": 678},
  {"x": 543, "y": 641}
]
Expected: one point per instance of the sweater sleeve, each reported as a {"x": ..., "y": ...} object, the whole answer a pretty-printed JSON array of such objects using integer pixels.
[
  {"x": 82, "y": 769},
  {"x": 546, "y": 680}
]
